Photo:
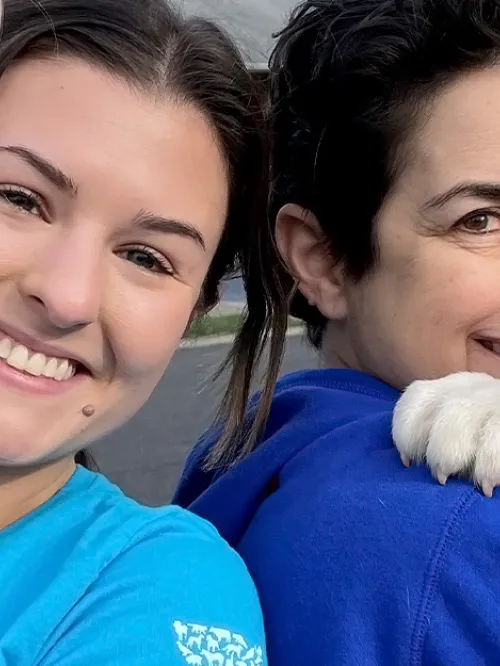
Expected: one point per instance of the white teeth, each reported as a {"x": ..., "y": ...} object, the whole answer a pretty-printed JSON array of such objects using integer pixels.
[
  {"x": 5, "y": 348},
  {"x": 50, "y": 369},
  {"x": 18, "y": 357},
  {"x": 34, "y": 363},
  {"x": 61, "y": 371}
]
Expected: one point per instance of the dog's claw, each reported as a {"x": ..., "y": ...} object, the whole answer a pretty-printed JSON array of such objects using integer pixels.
[
  {"x": 487, "y": 489},
  {"x": 442, "y": 478},
  {"x": 406, "y": 461}
]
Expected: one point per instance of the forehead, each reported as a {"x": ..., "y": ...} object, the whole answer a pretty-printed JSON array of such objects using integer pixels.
[
  {"x": 98, "y": 129},
  {"x": 460, "y": 138}
]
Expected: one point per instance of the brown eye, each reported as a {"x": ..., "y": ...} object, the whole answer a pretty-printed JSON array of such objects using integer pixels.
[
  {"x": 480, "y": 223},
  {"x": 21, "y": 199}
]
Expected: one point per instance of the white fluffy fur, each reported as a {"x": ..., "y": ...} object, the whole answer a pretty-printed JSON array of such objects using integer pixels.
[{"x": 453, "y": 424}]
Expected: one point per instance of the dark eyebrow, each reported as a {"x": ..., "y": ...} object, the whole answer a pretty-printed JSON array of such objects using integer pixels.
[
  {"x": 46, "y": 168},
  {"x": 151, "y": 222},
  {"x": 478, "y": 190},
  {"x": 146, "y": 221}
]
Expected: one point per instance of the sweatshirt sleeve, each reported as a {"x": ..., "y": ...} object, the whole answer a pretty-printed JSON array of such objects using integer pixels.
[
  {"x": 185, "y": 599},
  {"x": 372, "y": 574},
  {"x": 460, "y": 616},
  {"x": 421, "y": 580}
]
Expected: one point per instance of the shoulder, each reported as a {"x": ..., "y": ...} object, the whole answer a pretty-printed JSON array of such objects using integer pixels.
[
  {"x": 164, "y": 543},
  {"x": 116, "y": 528},
  {"x": 99, "y": 507},
  {"x": 165, "y": 589},
  {"x": 175, "y": 596},
  {"x": 172, "y": 539},
  {"x": 372, "y": 498},
  {"x": 399, "y": 559},
  {"x": 182, "y": 562},
  {"x": 382, "y": 521}
]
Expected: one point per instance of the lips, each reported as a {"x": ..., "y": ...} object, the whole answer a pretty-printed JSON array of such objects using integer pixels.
[{"x": 34, "y": 363}]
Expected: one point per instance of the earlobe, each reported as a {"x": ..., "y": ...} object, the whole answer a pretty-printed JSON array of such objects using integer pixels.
[{"x": 307, "y": 253}]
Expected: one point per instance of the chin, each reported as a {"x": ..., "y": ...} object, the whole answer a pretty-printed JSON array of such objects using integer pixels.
[
  {"x": 26, "y": 447},
  {"x": 21, "y": 456}
]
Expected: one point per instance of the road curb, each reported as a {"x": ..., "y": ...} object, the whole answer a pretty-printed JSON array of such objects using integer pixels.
[{"x": 214, "y": 340}]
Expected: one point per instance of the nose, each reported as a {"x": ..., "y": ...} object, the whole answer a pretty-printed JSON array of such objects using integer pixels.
[{"x": 64, "y": 281}]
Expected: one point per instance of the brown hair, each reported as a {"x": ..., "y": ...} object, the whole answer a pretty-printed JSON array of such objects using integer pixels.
[
  {"x": 260, "y": 338},
  {"x": 149, "y": 44}
]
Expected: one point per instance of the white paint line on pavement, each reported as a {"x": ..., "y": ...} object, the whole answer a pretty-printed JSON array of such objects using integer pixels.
[{"x": 214, "y": 340}]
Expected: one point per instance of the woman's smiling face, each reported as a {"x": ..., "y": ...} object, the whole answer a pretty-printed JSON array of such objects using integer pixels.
[
  {"x": 112, "y": 204},
  {"x": 431, "y": 306}
]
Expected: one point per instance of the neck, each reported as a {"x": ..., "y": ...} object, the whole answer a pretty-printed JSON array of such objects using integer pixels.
[
  {"x": 335, "y": 351},
  {"x": 24, "y": 490}
]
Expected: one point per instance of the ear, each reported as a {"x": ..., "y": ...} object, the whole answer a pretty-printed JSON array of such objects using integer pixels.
[{"x": 306, "y": 252}]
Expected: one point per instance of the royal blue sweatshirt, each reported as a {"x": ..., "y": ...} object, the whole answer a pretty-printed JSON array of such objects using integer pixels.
[{"x": 357, "y": 560}]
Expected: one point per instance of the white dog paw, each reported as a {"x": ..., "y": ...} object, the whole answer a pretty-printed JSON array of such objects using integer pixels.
[{"x": 453, "y": 424}]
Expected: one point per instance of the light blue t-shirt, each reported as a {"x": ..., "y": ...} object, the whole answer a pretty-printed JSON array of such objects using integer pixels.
[{"x": 92, "y": 578}]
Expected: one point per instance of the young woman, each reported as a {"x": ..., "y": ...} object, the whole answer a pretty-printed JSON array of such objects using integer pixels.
[
  {"x": 386, "y": 196},
  {"x": 132, "y": 177}
]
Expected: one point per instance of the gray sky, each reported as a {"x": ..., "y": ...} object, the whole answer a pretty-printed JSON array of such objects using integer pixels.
[{"x": 250, "y": 22}]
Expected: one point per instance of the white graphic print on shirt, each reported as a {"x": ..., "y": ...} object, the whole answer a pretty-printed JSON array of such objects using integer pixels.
[{"x": 210, "y": 646}]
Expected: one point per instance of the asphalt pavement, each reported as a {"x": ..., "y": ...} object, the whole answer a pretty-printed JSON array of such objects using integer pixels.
[{"x": 146, "y": 456}]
